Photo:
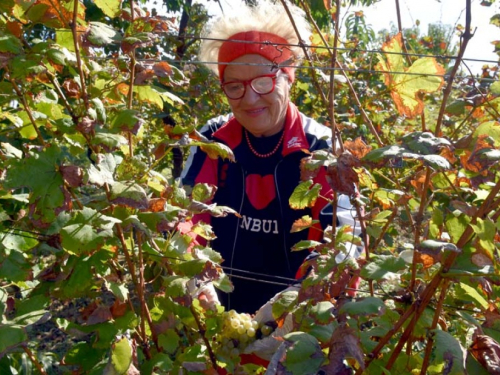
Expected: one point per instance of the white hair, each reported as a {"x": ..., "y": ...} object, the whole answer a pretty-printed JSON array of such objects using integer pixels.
[{"x": 267, "y": 16}]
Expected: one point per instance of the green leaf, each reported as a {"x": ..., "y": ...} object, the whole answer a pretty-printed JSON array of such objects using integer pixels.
[
  {"x": 485, "y": 230},
  {"x": 306, "y": 244},
  {"x": 83, "y": 238},
  {"x": 424, "y": 143},
  {"x": 169, "y": 341},
  {"x": 119, "y": 290},
  {"x": 99, "y": 108},
  {"x": 101, "y": 34},
  {"x": 284, "y": 303},
  {"x": 468, "y": 293},
  {"x": 131, "y": 195},
  {"x": 121, "y": 356},
  {"x": 203, "y": 192},
  {"x": 215, "y": 150},
  {"x": 149, "y": 95},
  {"x": 304, "y": 356},
  {"x": 11, "y": 337},
  {"x": 83, "y": 355},
  {"x": 127, "y": 120},
  {"x": 456, "y": 226},
  {"x": 11, "y": 44},
  {"x": 111, "y": 141},
  {"x": 304, "y": 195},
  {"x": 64, "y": 38},
  {"x": 489, "y": 128},
  {"x": 40, "y": 174},
  {"x": 110, "y": 8},
  {"x": 383, "y": 266},
  {"x": 425, "y": 75},
  {"x": 159, "y": 362},
  {"x": 448, "y": 353},
  {"x": 434, "y": 247},
  {"x": 56, "y": 56},
  {"x": 19, "y": 241},
  {"x": 364, "y": 306}
]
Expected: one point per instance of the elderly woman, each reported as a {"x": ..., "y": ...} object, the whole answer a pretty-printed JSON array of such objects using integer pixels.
[{"x": 254, "y": 52}]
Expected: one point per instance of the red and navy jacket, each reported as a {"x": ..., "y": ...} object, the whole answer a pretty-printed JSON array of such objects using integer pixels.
[{"x": 257, "y": 245}]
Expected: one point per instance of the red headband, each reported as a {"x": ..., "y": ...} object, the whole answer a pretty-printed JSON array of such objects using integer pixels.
[{"x": 270, "y": 46}]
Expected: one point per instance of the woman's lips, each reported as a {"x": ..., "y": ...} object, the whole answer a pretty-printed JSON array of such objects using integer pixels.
[{"x": 255, "y": 112}]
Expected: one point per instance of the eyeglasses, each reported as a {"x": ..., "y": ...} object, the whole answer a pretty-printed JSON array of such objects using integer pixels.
[{"x": 262, "y": 85}]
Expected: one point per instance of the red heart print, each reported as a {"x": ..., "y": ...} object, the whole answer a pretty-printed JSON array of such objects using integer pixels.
[{"x": 260, "y": 190}]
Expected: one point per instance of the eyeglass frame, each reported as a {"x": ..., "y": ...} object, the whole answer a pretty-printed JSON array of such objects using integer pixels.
[{"x": 248, "y": 82}]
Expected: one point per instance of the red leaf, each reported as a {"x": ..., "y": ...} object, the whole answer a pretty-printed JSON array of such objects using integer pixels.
[
  {"x": 487, "y": 352},
  {"x": 341, "y": 176}
]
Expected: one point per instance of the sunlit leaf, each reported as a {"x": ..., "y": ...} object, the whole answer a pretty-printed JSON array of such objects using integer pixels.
[
  {"x": 304, "y": 195},
  {"x": 407, "y": 84},
  {"x": 110, "y": 8}
]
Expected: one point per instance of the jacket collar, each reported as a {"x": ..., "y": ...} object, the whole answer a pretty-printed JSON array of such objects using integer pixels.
[{"x": 294, "y": 138}]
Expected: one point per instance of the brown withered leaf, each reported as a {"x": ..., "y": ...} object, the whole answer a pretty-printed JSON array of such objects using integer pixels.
[
  {"x": 162, "y": 69},
  {"x": 464, "y": 208},
  {"x": 345, "y": 344},
  {"x": 101, "y": 314},
  {"x": 481, "y": 260},
  {"x": 72, "y": 175},
  {"x": 143, "y": 76},
  {"x": 487, "y": 352},
  {"x": 157, "y": 204},
  {"x": 211, "y": 271},
  {"x": 471, "y": 161},
  {"x": 357, "y": 147},
  {"x": 304, "y": 222},
  {"x": 341, "y": 175},
  {"x": 428, "y": 260},
  {"x": 72, "y": 89},
  {"x": 119, "y": 308},
  {"x": 308, "y": 169},
  {"x": 448, "y": 154},
  {"x": 15, "y": 28},
  {"x": 492, "y": 315}
]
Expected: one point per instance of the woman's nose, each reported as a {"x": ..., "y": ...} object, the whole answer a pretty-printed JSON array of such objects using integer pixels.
[{"x": 250, "y": 95}]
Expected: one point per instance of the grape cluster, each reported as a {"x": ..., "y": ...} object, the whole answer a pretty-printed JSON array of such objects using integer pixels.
[{"x": 238, "y": 331}]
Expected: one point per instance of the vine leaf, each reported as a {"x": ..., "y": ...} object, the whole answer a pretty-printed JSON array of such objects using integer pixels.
[
  {"x": 11, "y": 336},
  {"x": 382, "y": 267},
  {"x": 408, "y": 84},
  {"x": 304, "y": 356},
  {"x": 110, "y": 8},
  {"x": 345, "y": 343},
  {"x": 448, "y": 354},
  {"x": 487, "y": 352},
  {"x": 342, "y": 176},
  {"x": 304, "y": 195},
  {"x": 120, "y": 359}
]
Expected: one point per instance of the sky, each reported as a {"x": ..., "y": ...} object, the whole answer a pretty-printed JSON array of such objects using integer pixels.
[{"x": 448, "y": 12}]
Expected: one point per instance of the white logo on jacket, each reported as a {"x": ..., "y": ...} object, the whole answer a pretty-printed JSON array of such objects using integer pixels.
[
  {"x": 293, "y": 142},
  {"x": 259, "y": 225}
]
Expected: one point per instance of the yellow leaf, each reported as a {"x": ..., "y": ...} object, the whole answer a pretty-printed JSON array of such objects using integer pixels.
[{"x": 407, "y": 84}]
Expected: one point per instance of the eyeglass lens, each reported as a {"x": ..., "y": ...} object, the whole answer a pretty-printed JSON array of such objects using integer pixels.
[{"x": 261, "y": 85}]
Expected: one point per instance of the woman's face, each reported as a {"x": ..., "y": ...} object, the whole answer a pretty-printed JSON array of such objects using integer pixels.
[{"x": 261, "y": 115}]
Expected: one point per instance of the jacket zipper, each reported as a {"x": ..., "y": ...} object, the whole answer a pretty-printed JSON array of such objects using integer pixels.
[
  {"x": 281, "y": 213},
  {"x": 237, "y": 230}
]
